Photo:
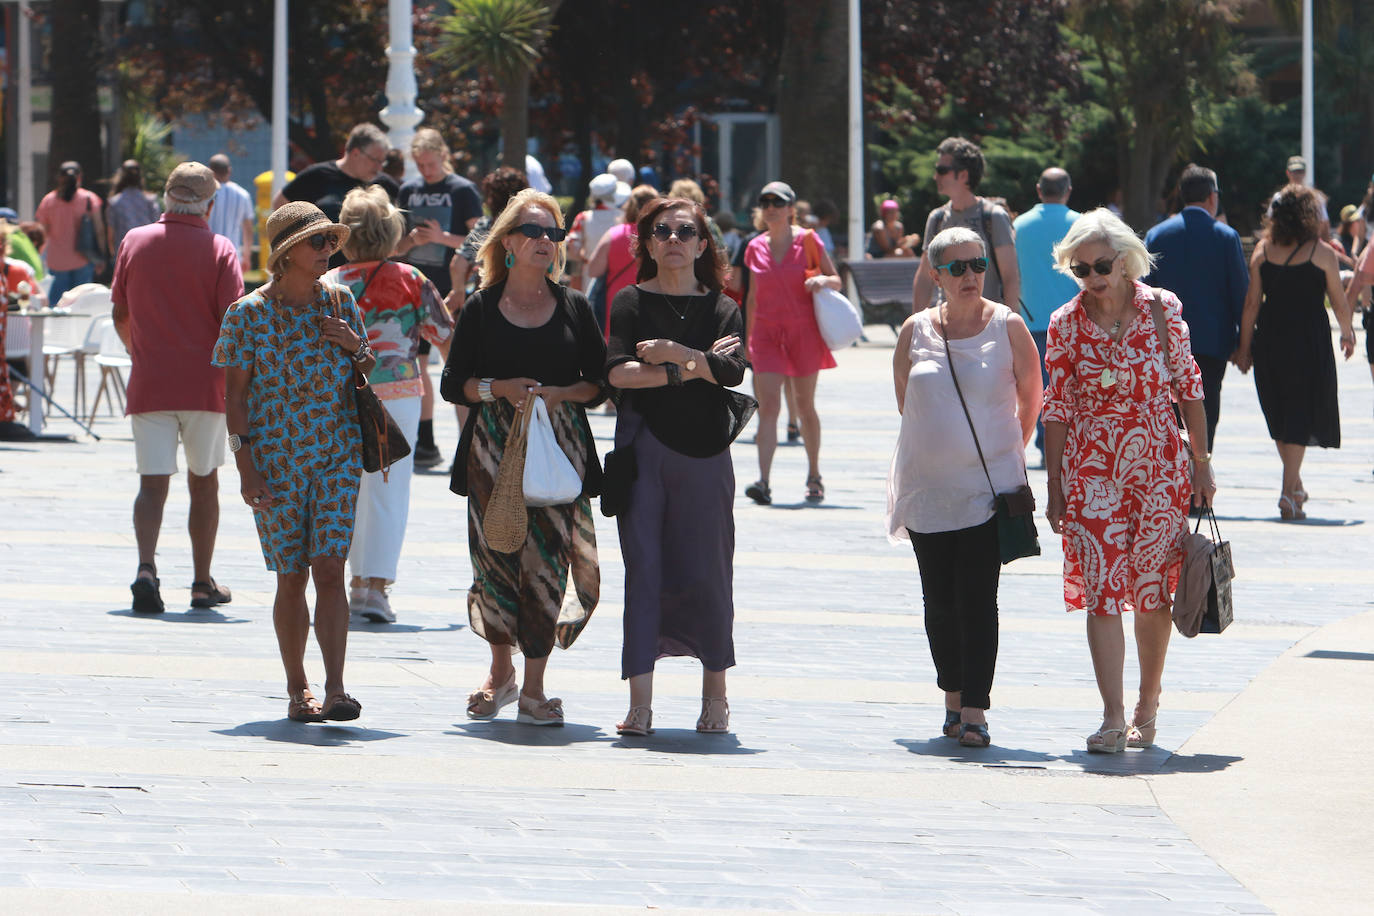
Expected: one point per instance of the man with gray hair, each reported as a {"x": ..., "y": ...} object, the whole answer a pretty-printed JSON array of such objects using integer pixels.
[
  {"x": 173, "y": 281},
  {"x": 1201, "y": 261},
  {"x": 232, "y": 213},
  {"x": 1044, "y": 289}
]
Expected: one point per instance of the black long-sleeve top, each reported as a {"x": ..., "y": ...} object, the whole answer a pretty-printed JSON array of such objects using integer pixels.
[{"x": 692, "y": 418}]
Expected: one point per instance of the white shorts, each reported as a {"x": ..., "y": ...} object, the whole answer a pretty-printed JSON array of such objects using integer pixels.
[{"x": 202, "y": 432}]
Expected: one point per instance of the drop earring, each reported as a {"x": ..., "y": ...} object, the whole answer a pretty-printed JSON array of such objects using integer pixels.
[
  {"x": 549, "y": 270},
  {"x": 510, "y": 260}
]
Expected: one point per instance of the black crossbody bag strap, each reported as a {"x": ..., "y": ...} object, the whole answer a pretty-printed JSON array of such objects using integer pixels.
[{"x": 949, "y": 357}]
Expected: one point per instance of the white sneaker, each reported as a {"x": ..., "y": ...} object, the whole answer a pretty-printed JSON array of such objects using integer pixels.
[
  {"x": 357, "y": 598},
  {"x": 377, "y": 608}
]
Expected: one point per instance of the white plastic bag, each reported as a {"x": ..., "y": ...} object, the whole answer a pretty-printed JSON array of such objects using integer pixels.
[
  {"x": 837, "y": 318},
  {"x": 550, "y": 478}
]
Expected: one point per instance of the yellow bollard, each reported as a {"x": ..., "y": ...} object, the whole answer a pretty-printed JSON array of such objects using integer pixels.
[{"x": 263, "y": 183}]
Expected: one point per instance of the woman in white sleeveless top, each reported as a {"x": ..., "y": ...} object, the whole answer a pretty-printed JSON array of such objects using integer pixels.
[{"x": 938, "y": 493}]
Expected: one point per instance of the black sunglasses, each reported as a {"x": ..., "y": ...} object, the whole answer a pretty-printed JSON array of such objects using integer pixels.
[
  {"x": 318, "y": 242},
  {"x": 534, "y": 230},
  {"x": 1103, "y": 267},
  {"x": 957, "y": 268},
  {"x": 768, "y": 200},
  {"x": 943, "y": 169},
  {"x": 685, "y": 233}
]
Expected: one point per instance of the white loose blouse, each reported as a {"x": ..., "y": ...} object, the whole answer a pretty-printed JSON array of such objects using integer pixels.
[{"x": 936, "y": 482}]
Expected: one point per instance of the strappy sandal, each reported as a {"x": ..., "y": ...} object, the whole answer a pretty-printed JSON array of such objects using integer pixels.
[
  {"x": 952, "y": 722},
  {"x": 758, "y": 491},
  {"x": 1142, "y": 735},
  {"x": 486, "y": 702},
  {"x": 1106, "y": 745},
  {"x": 715, "y": 716},
  {"x": 974, "y": 734},
  {"x": 539, "y": 712},
  {"x": 147, "y": 592},
  {"x": 1290, "y": 511},
  {"x": 639, "y": 721},
  {"x": 815, "y": 490},
  {"x": 303, "y": 707},
  {"x": 214, "y": 594},
  {"x": 793, "y": 433},
  {"x": 341, "y": 708}
]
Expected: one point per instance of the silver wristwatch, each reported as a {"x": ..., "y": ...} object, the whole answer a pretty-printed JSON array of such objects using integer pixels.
[{"x": 237, "y": 442}]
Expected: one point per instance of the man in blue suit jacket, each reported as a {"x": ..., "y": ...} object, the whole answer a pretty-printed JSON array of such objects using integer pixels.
[{"x": 1201, "y": 261}]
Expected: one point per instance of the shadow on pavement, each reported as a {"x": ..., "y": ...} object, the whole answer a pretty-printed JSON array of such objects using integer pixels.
[
  {"x": 1197, "y": 763},
  {"x": 1344, "y": 656},
  {"x": 364, "y": 626},
  {"x": 508, "y": 731},
  {"x": 313, "y": 734},
  {"x": 806, "y": 505},
  {"x": 949, "y": 749},
  {"x": 193, "y": 615},
  {"x": 687, "y": 741}
]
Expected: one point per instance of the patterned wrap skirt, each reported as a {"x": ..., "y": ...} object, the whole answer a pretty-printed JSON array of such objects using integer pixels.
[{"x": 521, "y": 599}]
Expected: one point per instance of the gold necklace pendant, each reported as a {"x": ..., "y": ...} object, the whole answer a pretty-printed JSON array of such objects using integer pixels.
[{"x": 1107, "y": 379}]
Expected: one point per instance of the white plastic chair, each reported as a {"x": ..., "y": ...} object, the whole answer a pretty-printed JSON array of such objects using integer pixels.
[
  {"x": 17, "y": 350},
  {"x": 112, "y": 359},
  {"x": 75, "y": 338}
]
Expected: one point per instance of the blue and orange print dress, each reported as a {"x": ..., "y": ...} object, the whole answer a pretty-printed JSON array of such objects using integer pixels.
[{"x": 303, "y": 421}]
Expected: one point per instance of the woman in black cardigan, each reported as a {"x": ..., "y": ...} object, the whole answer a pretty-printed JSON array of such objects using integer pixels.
[
  {"x": 523, "y": 333},
  {"x": 674, "y": 348}
]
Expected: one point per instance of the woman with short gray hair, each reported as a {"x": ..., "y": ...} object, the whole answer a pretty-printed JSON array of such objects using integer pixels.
[{"x": 967, "y": 379}]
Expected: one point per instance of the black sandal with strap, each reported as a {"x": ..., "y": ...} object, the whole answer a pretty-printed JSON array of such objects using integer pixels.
[
  {"x": 815, "y": 490},
  {"x": 214, "y": 594},
  {"x": 147, "y": 592}
]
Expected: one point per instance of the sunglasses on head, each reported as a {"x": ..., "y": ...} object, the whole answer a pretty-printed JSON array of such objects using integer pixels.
[
  {"x": 1103, "y": 267},
  {"x": 769, "y": 200},
  {"x": 685, "y": 233},
  {"x": 534, "y": 230},
  {"x": 957, "y": 268},
  {"x": 318, "y": 242}
]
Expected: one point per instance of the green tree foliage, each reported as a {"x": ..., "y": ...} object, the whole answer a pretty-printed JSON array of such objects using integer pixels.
[
  {"x": 504, "y": 39},
  {"x": 1164, "y": 66}
]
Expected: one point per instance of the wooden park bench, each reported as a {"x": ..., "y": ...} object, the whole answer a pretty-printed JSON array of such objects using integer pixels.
[{"x": 884, "y": 287}]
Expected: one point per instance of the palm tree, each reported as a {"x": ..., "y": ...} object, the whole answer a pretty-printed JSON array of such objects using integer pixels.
[{"x": 502, "y": 38}]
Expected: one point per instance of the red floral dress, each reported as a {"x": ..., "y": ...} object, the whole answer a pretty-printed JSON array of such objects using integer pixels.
[{"x": 1125, "y": 472}]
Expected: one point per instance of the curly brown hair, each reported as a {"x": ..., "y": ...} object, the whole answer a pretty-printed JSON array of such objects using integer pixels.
[{"x": 1296, "y": 216}]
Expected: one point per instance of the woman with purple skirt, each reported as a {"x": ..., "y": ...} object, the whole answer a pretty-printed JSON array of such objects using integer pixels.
[{"x": 674, "y": 348}]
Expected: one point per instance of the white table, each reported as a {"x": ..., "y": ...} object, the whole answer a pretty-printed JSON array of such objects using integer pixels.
[{"x": 37, "y": 403}]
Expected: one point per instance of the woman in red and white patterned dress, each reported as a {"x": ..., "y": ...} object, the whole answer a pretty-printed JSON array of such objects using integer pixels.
[{"x": 1120, "y": 479}]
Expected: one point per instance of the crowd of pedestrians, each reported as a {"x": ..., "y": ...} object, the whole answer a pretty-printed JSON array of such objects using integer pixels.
[{"x": 1057, "y": 328}]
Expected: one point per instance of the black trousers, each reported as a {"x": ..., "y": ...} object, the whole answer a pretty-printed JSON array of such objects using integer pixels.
[
  {"x": 1213, "y": 371},
  {"x": 959, "y": 576}
]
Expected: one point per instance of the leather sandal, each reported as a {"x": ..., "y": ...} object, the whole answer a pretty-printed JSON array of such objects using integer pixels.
[
  {"x": 639, "y": 721},
  {"x": 539, "y": 712},
  {"x": 758, "y": 491},
  {"x": 815, "y": 490},
  {"x": 303, "y": 707},
  {"x": 1290, "y": 510},
  {"x": 974, "y": 734},
  {"x": 952, "y": 722},
  {"x": 214, "y": 594},
  {"x": 486, "y": 702},
  {"x": 1106, "y": 743},
  {"x": 715, "y": 716},
  {"x": 1142, "y": 735},
  {"x": 147, "y": 592},
  {"x": 341, "y": 708}
]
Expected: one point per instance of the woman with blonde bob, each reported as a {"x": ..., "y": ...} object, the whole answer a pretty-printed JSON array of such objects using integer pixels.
[
  {"x": 400, "y": 307},
  {"x": 1120, "y": 474},
  {"x": 521, "y": 334}
]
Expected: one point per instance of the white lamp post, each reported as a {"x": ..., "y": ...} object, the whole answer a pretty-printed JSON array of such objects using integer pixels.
[
  {"x": 401, "y": 115},
  {"x": 279, "y": 113},
  {"x": 856, "y": 136},
  {"x": 1308, "y": 141}
]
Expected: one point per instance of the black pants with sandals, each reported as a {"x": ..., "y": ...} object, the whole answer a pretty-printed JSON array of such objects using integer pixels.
[{"x": 959, "y": 575}]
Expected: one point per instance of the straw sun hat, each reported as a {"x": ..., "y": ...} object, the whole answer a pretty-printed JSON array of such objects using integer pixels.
[{"x": 294, "y": 222}]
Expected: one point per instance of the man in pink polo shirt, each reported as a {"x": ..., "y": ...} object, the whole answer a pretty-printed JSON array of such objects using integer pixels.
[{"x": 173, "y": 281}]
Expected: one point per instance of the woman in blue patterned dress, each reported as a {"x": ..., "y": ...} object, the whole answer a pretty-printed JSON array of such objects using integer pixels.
[{"x": 289, "y": 349}]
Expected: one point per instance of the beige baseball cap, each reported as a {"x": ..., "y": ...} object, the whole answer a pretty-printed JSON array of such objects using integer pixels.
[{"x": 191, "y": 182}]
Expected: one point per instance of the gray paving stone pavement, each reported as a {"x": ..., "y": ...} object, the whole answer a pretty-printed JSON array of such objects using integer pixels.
[{"x": 145, "y": 763}]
